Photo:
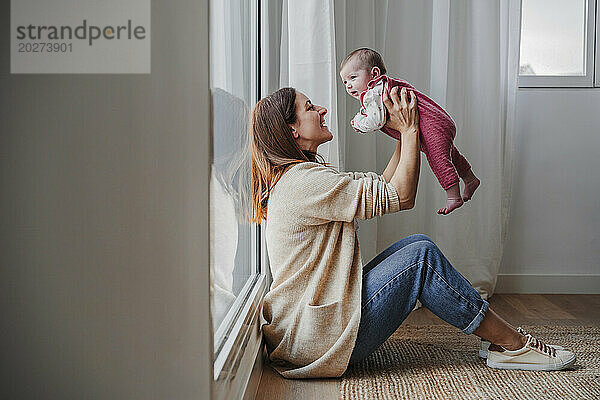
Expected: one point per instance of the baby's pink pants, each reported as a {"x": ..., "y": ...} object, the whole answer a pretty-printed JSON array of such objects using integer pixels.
[{"x": 437, "y": 135}]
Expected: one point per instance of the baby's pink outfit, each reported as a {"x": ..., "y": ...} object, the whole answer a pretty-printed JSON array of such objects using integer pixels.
[{"x": 437, "y": 128}]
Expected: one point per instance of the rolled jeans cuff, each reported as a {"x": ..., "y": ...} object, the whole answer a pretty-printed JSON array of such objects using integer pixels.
[{"x": 478, "y": 318}]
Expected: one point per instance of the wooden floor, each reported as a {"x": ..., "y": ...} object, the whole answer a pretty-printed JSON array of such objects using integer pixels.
[{"x": 530, "y": 309}]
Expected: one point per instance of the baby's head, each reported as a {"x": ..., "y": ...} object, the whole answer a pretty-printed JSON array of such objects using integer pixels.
[{"x": 358, "y": 68}]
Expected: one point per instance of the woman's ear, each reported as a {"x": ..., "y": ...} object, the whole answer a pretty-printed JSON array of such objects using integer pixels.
[
  {"x": 295, "y": 133},
  {"x": 375, "y": 72}
]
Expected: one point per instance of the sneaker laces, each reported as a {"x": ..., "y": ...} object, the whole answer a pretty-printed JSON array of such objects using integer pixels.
[{"x": 537, "y": 344}]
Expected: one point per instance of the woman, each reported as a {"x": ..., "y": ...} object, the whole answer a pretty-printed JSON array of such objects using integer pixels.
[{"x": 324, "y": 310}]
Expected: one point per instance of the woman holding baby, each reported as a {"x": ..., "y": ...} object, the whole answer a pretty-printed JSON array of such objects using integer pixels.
[{"x": 325, "y": 310}]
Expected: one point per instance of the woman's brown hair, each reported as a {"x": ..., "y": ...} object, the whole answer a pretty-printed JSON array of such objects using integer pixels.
[{"x": 272, "y": 146}]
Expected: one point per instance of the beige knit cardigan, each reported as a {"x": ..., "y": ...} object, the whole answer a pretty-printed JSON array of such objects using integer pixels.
[{"x": 312, "y": 311}]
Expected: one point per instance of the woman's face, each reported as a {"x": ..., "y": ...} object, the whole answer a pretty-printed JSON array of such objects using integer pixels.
[{"x": 310, "y": 130}]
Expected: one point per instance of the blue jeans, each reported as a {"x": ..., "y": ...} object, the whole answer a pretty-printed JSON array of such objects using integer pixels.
[{"x": 413, "y": 268}]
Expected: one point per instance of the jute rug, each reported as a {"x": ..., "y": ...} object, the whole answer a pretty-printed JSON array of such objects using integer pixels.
[{"x": 441, "y": 362}]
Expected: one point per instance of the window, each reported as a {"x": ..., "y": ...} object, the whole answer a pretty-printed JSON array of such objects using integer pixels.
[
  {"x": 597, "y": 80},
  {"x": 237, "y": 279},
  {"x": 557, "y": 43}
]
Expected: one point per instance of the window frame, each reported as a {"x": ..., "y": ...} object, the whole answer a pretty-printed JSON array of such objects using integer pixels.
[
  {"x": 239, "y": 348},
  {"x": 597, "y": 52},
  {"x": 592, "y": 66}
]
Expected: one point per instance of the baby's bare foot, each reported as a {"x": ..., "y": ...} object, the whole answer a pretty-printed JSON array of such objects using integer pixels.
[
  {"x": 470, "y": 188},
  {"x": 451, "y": 205}
]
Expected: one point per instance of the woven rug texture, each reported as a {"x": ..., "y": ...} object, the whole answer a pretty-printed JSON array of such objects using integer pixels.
[{"x": 441, "y": 362}]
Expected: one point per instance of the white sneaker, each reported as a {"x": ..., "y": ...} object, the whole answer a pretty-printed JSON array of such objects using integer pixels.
[
  {"x": 483, "y": 351},
  {"x": 534, "y": 356}
]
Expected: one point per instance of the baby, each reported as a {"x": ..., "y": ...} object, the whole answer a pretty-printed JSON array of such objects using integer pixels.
[{"x": 364, "y": 76}]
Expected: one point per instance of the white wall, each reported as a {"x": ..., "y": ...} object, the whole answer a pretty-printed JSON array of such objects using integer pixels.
[
  {"x": 104, "y": 282},
  {"x": 554, "y": 226}
]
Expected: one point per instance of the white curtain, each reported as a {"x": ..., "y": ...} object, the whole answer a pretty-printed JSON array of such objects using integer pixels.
[
  {"x": 464, "y": 55},
  {"x": 308, "y": 61}
]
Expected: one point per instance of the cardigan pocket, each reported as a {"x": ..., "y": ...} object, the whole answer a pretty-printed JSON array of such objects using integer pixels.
[{"x": 319, "y": 328}]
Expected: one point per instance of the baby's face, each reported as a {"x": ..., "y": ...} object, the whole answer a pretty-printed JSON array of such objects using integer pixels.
[{"x": 355, "y": 78}]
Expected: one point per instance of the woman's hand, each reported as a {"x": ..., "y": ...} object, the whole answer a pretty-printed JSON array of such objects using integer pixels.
[
  {"x": 403, "y": 115},
  {"x": 404, "y": 118}
]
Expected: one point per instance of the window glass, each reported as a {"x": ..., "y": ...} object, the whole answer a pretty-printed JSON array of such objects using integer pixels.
[
  {"x": 231, "y": 258},
  {"x": 553, "y": 37}
]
